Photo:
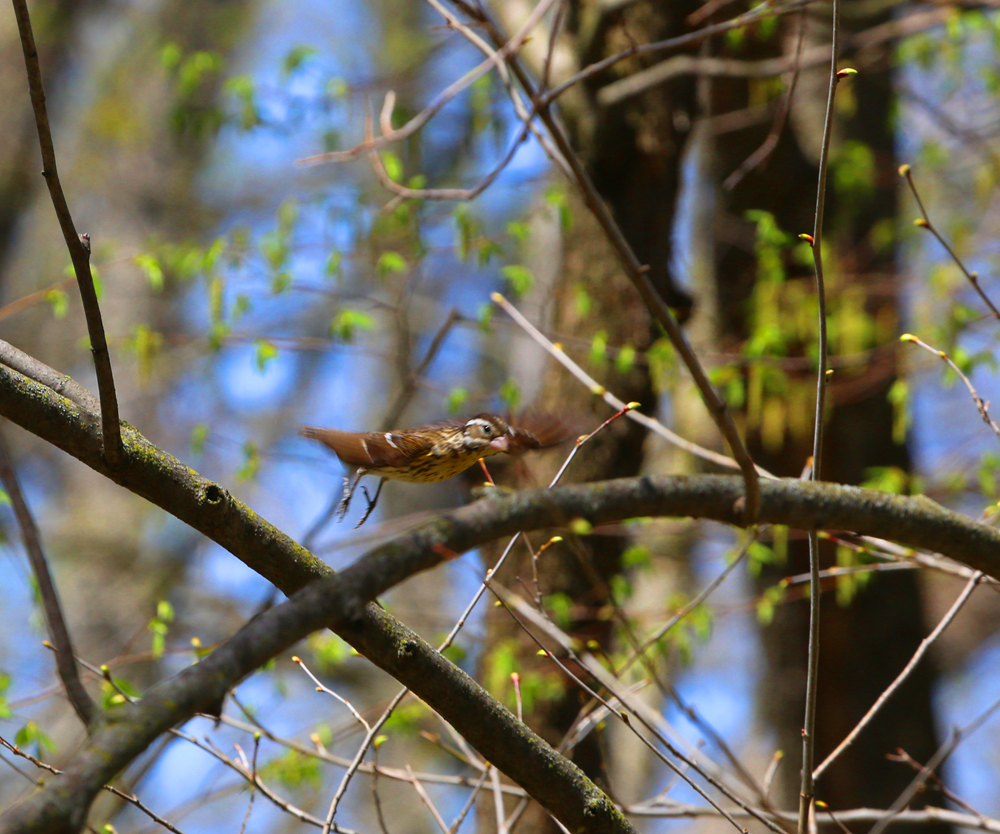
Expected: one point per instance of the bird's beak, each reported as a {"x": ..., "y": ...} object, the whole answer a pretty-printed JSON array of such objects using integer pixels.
[{"x": 501, "y": 443}]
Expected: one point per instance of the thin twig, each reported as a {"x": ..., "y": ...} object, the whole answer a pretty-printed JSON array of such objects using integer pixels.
[
  {"x": 427, "y": 801},
  {"x": 395, "y": 411},
  {"x": 806, "y": 808},
  {"x": 85, "y": 708},
  {"x": 599, "y": 390},
  {"x": 320, "y": 687},
  {"x": 473, "y": 796},
  {"x": 253, "y": 783},
  {"x": 359, "y": 757},
  {"x": 498, "y": 801},
  {"x": 499, "y": 57},
  {"x": 78, "y": 245},
  {"x": 981, "y": 404},
  {"x": 760, "y": 156},
  {"x": 509, "y": 600},
  {"x": 925, "y": 223},
  {"x": 943, "y": 752},
  {"x": 132, "y": 799},
  {"x": 902, "y": 756},
  {"x": 925, "y": 644}
]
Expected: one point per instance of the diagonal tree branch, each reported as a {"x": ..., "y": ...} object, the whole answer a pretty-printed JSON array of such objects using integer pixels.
[
  {"x": 54, "y": 620},
  {"x": 78, "y": 245},
  {"x": 558, "y": 785}
]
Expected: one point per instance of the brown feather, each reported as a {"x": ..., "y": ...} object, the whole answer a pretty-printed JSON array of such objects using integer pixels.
[
  {"x": 537, "y": 430},
  {"x": 370, "y": 450}
]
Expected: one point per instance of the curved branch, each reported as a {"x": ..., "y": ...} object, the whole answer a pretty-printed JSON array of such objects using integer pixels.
[{"x": 557, "y": 784}]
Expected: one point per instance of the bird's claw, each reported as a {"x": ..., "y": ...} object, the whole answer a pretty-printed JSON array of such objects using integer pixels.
[
  {"x": 371, "y": 506},
  {"x": 345, "y": 501}
]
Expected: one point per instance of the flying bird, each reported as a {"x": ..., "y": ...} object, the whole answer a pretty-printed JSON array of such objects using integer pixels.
[{"x": 428, "y": 454}]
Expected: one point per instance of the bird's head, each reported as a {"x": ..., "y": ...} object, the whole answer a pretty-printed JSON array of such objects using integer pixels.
[{"x": 488, "y": 433}]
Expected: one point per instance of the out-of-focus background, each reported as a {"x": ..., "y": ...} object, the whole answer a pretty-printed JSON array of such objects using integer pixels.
[{"x": 246, "y": 294}]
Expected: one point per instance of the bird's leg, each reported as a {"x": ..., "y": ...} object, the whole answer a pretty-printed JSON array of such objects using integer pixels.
[
  {"x": 350, "y": 484},
  {"x": 371, "y": 502}
]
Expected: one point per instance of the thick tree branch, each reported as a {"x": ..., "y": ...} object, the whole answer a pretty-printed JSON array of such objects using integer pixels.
[{"x": 150, "y": 472}]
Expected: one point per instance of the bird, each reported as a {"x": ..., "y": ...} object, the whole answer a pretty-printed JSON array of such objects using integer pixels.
[{"x": 432, "y": 453}]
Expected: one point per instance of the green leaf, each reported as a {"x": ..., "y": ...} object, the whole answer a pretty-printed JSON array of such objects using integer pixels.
[
  {"x": 519, "y": 230},
  {"x": 625, "y": 359},
  {"x": 348, "y": 322},
  {"x": 296, "y": 57},
  {"x": 485, "y": 317},
  {"x": 599, "y": 348},
  {"x": 264, "y": 353},
  {"x": 335, "y": 265},
  {"x": 251, "y": 462},
  {"x": 456, "y": 399},
  {"x": 170, "y": 56},
  {"x": 393, "y": 165},
  {"x": 510, "y": 394},
  {"x": 560, "y": 608},
  {"x": 390, "y": 262},
  {"x": 518, "y": 277},
  {"x": 150, "y": 265},
  {"x": 556, "y": 197},
  {"x": 293, "y": 769},
  {"x": 636, "y": 556},
  {"x": 31, "y": 735},
  {"x": 198, "y": 436},
  {"x": 329, "y": 650},
  {"x": 59, "y": 301}
]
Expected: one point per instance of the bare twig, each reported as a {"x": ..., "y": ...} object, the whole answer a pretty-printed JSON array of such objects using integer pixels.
[
  {"x": 943, "y": 752},
  {"x": 130, "y": 798},
  {"x": 320, "y": 687},
  {"x": 498, "y": 801},
  {"x": 981, "y": 404},
  {"x": 760, "y": 156},
  {"x": 587, "y": 661},
  {"x": 473, "y": 796},
  {"x": 668, "y": 45},
  {"x": 252, "y": 768},
  {"x": 85, "y": 708},
  {"x": 925, "y": 644},
  {"x": 502, "y": 53},
  {"x": 902, "y": 756},
  {"x": 266, "y": 792},
  {"x": 599, "y": 390},
  {"x": 427, "y": 801},
  {"x": 78, "y": 245},
  {"x": 806, "y": 808},
  {"x": 930, "y": 816},
  {"x": 925, "y": 223}
]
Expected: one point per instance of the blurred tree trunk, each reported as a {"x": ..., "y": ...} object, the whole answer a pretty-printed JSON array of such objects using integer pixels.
[
  {"x": 634, "y": 154},
  {"x": 865, "y": 644}
]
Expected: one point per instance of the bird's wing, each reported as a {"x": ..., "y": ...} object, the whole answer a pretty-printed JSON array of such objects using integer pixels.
[
  {"x": 537, "y": 430},
  {"x": 371, "y": 450}
]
